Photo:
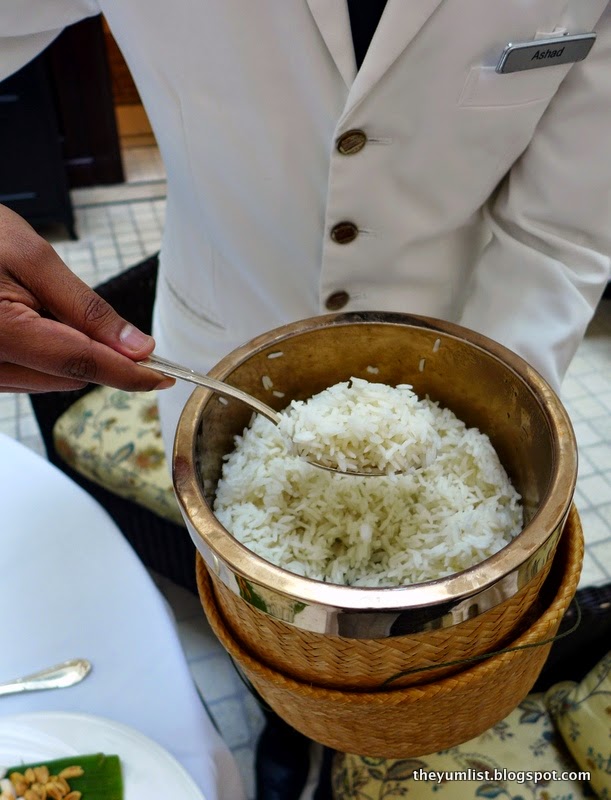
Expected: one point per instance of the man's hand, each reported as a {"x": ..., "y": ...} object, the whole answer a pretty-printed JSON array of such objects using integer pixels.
[{"x": 86, "y": 342}]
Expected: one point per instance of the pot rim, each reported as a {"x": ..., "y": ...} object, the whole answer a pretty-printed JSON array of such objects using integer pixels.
[{"x": 509, "y": 569}]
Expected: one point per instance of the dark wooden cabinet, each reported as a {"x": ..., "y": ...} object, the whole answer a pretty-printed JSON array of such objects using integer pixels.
[
  {"x": 57, "y": 127},
  {"x": 79, "y": 74},
  {"x": 32, "y": 173}
]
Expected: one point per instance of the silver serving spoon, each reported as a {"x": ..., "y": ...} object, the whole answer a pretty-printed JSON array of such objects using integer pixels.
[
  {"x": 59, "y": 676},
  {"x": 172, "y": 370}
]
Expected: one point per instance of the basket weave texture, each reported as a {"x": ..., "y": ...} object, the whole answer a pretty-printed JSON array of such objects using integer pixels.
[
  {"x": 416, "y": 720},
  {"x": 342, "y": 663}
]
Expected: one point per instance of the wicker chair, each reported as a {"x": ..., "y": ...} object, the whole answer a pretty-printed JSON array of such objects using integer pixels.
[{"x": 162, "y": 545}]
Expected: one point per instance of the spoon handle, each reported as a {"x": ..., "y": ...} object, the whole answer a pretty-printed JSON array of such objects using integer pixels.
[
  {"x": 172, "y": 370},
  {"x": 57, "y": 677}
]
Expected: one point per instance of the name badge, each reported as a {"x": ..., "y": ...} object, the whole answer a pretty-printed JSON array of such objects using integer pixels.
[{"x": 545, "y": 52}]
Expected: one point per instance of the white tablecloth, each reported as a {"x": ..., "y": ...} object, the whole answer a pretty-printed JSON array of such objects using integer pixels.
[{"x": 71, "y": 586}]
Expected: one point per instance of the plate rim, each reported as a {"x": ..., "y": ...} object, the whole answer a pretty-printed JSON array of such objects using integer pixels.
[{"x": 83, "y": 717}]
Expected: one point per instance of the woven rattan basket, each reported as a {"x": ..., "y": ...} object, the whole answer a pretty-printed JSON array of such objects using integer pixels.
[
  {"x": 409, "y": 721},
  {"x": 341, "y": 663},
  {"x": 345, "y": 664}
]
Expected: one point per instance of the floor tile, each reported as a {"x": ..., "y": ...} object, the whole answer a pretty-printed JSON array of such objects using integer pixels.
[
  {"x": 143, "y": 164},
  {"x": 595, "y": 527},
  {"x": 28, "y": 427},
  {"x": 587, "y": 407},
  {"x": 8, "y": 406},
  {"x": 232, "y": 722},
  {"x": 572, "y": 389},
  {"x": 596, "y": 489},
  {"x": 245, "y": 756},
  {"x": 599, "y": 456},
  {"x": 586, "y": 434},
  {"x": 592, "y": 573},
  {"x": 8, "y": 426},
  {"x": 34, "y": 443},
  {"x": 216, "y": 678},
  {"x": 601, "y": 552},
  {"x": 198, "y": 639},
  {"x": 585, "y": 466},
  {"x": 604, "y": 511},
  {"x": 254, "y": 714},
  {"x": 184, "y": 604}
]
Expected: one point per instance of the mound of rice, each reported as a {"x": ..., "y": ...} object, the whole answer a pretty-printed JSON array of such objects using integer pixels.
[
  {"x": 453, "y": 507},
  {"x": 359, "y": 426}
]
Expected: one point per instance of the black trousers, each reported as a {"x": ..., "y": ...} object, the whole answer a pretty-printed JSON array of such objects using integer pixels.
[{"x": 282, "y": 763}]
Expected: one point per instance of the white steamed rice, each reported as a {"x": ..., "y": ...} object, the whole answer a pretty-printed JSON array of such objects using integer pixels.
[{"x": 453, "y": 507}]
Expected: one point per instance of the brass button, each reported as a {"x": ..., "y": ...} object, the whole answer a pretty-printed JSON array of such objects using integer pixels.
[
  {"x": 351, "y": 142},
  {"x": 337, "y": 300},
  {"x": 344, "y": 232}
]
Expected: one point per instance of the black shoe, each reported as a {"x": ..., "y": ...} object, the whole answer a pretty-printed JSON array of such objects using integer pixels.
[
  {"x": 573, "y": 656},
  {"x": 324, "y": 790},
  {"x": 282, "y": 761}
]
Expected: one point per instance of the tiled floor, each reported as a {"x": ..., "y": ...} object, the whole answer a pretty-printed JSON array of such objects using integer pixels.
[{"x": 120, "y": 225}]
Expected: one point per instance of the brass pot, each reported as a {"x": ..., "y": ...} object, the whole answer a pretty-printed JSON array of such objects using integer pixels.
[{"x": 482, "y": 382}]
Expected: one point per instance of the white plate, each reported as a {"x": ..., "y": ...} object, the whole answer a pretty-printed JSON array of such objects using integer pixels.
[{"x": 148, "y": 769}]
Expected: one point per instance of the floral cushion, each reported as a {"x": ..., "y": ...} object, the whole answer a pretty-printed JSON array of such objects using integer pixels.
[
  {"x": 582, "y": 714},
  {"x": 520, "y": 758},
  {"x": 114, "y": 439}
]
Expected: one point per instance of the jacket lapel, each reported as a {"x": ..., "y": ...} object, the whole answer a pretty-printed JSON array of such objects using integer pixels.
[
  {"x": 333, "y": 21},
  {"x": 400, "y": 23}
]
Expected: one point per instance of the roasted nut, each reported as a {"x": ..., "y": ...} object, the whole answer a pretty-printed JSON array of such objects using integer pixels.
[
  {"x": 71, "y": 772},
  {"x": 54, "y": 790},
  {"x": 40, "y": 790},
  {"x": 37, "y": 784},
  {"x": 42, "y": 774},
  {"x": 62, "y": 783},
  {"x": 19, "y": 782},
  {"x": 30, "y": 775}
]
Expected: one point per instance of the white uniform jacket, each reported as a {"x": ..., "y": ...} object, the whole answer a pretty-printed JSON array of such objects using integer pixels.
[{"x": 478, "y": 197}]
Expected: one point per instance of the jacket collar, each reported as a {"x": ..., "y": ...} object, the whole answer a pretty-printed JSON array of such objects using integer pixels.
[
  {"x": 401, "y": 21},
  {"x": 333, "y": 22}
]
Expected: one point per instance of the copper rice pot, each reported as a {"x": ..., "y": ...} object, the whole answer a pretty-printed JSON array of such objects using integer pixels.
[{"x": 483, "y": 383}]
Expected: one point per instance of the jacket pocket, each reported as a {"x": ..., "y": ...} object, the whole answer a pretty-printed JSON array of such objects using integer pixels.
[{"x": 487, "y": 88}]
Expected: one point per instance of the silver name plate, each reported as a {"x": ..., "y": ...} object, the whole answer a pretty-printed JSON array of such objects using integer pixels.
[{"x": 545, "y": 52}]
